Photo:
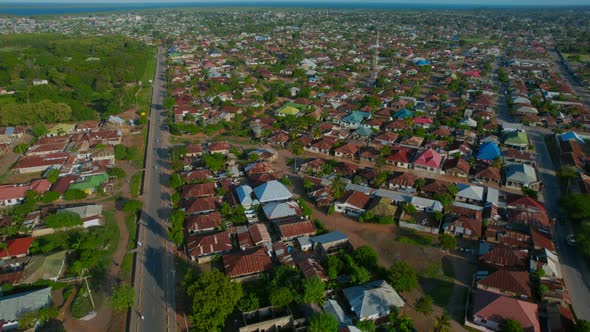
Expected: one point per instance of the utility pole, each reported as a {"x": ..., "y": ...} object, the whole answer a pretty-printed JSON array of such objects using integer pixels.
[{"x": 89, "y": 292}]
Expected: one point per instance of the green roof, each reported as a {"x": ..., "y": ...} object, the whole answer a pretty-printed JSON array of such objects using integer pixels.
[
  {"x": 62, "y": 128},
  {"x": 291, "y": 108},
  {"x": 516, "y": 138},
  {"x": 91, "y": 182},
  {"x": 44, "y": 267}
]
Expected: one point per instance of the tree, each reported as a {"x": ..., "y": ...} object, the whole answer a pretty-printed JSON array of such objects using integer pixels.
[
  {"x": 582, "y": 326},
  {"x": 39, "y": 129},
  {"x": 313, "y": 290},
  {"x": 214, "y": 161},
  {"x": 132, "y": 206},
  {"x": 116, "y": 172},
  {"x": 53, "y": 175},
  {"x": 123, "y": 298},
  {"x": 511, "y": 325},
  {"x": 442, "y": 323},
  {"x": 74, "y": 194},
  {"x": 447, "y": 241},
  {"x": 365, "y": 256},
  {"x": 63, "y": 219},
  {"x": 249, "y": 303},
  {"x": 409, "y": 208},
  {"x": 169, "y": 103},
  {"x": 280, "y": 297},
  {"x": 577, "y": 206},
  {"x": 424, "y": 305},
  {"x": 323, "y": 323},
  {"x": 176, "y": 231},
  {"x": 366, "y": 325},
  {"x": 530, "y": 192},
  {"x": 29, "y": 319},
  {"x": 121, "y": 152},
  {"x": 50, "y": 197},
  {"x": 214, "y": 297},
  {"x": 402, "y": 277},
  {"x": 338, "y": 187},
  {"x": 419, "y": 183},
  {"x": 176, "y": 181}
]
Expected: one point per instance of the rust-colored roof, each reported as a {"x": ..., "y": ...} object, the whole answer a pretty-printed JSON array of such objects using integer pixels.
[
  {"x": 357, "y": 199},
  {"x": 17, "y": 247},
  {"x": 312, "y": 268},
  {"x": 198, "y": 190},
  {"x": 496, "y": 307},
  {"x": 474, "y": 225},
  {"x": 401, "y": 155},
  {"x": 259, "y": 234},
  {"x": 507, "y": 258},
  {"x": 196, "y": 223},
  {"x": 201, "y": 245},
  {"x": 540, "y": 240},
  {"x": 348, "y": 148},
  {"x": 296, "y": 229},
  {"x": 246, "y": 263},
  {"x": 404, "y": 179},
  {"x": 459, "y": 164},
  {"x": 200, "y": 205},
  {"x": 517, "y": 282}
]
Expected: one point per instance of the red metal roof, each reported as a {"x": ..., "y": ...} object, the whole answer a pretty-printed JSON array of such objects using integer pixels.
[
  {"x": 17, "y": 247},
  {"x": 243, "y": 264}
]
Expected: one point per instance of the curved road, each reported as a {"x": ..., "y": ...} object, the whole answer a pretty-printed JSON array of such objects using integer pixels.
[{"x": 154, "y": 266}]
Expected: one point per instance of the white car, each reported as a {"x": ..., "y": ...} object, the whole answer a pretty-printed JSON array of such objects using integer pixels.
[{"x": 571, "y": 240}]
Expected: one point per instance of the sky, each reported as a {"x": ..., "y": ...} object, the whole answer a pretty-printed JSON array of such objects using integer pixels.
[{"x": 438, "y": 2}]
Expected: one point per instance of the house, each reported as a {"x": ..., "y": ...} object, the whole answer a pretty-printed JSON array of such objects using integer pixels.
[
  {"x": 45, "y": 267},
  {"x": 246, "y": 265},
  {"x": 201, "y": 205},
  {"x": 510, "y": 283},
  {"x": 488, "y": 151},
  {"x": 219, "y": 147},
  {"x": 197, "y": 190},
  {"x": 202, "y": 248},
  {"x": 403, "y": 180},
  {"x": 506, "y": 258},
  {"x": 330, "y": 243},
  {"x": 91, "y": 214},
  {"x": 333, "y": 308},
  {"x": 272, "y": 191},
  {"x": 282, "y": 211},
  {"x": 465, "y": 228},
  {"x": 353, "y": 203},
  {"x": 12, "y": 194},
  {"x": 354, "y": 119},
  {"x": 372, "y": 300},
  {"x": 426, "y": 204},
  {"x": 261, "y": 167},
  {"x": 518, "y": 176},
  {"x": 293, "y": 230},
  {"x": 490, "y": 310},
  {"x": 37, "y": 164},
  {"x": 312, "y": 268},
  {"x": 203, "y": 223},
  {"x": 469, "y": 194},
  {"x": 194, "y": 150},
  {"x": 516, "y": 139},
  {"x": 348, "y": 150},
  {"x": 429, "y": 160},
  {"x": 16, "y": 248},
  {"x": 90, "y": 184},
  {"x": 259, "y": 234},
  {"x": 457, "y": 167},
  {"x": 13, "y": 307},
  {"x": 488, "y": 174},
  {"x": 400, "y": 157}
]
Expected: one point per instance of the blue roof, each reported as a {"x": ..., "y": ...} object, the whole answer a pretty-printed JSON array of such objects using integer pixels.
[
  {"x": 488, "y": 151},
  {"x": 356, "y": 117},
  {"x": 423, "y": 63},
  {"x": 329, "y": 237},
  {"x": 364, "y": 131},
  {"x": 571, "y": 135},
  {"x": 403, "y": 113}
]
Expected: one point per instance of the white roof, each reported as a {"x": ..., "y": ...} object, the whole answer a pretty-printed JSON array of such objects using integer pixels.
[
  {"x": 470, "y": 192},
  {"x": 521, "y": 173},
  {"x": 493, "y": 195},
  {"x": 272, "y": 191},
  {"x": 84, "y": 211},
  {"x": 427, "y": 203},
  {"x": 332, "y": 307},
  {"x": 280, "y": 210},
  {"x": 372, "y": 299},
  {"x": 244, "y": 195},
  {"x": 13, "y": 306}
]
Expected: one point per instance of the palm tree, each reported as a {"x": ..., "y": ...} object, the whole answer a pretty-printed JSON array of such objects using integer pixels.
[
  {"x": 338, "y": 187},
  {"x": 442, "y": 323}
]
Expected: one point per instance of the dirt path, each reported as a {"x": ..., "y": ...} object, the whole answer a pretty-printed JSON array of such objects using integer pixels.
[{"x": 104, "y": 315}]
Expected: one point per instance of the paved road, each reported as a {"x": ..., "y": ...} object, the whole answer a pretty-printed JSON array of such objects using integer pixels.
[
  {"x": 574, "y": 269},
  {"x": 154, "y": 274},
  {"x": 564, "y": 73}
]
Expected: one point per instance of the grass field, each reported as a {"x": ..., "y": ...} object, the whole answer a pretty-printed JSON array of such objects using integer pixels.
[{"x": 583, "y": 57}]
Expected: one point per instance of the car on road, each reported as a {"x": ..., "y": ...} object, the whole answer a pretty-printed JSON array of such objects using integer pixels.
[{"x": 571, "y": 240}]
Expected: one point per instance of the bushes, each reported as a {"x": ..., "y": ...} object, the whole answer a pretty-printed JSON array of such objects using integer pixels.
[
  {"x": 116, "y": 172},
  {"x": 402, "y": 277},
  {"x": 424, "y": 305},
  {"x": 74, "y": 194},
  {"x": 63, "y": 219},
  {"x": 50, "y": 197},
  {"x": 81, "y": 306}
]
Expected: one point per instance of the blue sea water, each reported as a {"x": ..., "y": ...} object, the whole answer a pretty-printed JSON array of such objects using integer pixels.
[{"x": 32, "y": 9}]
